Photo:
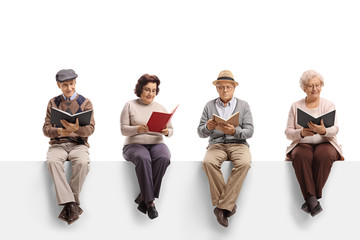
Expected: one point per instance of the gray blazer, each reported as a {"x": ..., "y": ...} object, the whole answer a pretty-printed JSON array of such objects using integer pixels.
[{"x": 244, "y": 131}]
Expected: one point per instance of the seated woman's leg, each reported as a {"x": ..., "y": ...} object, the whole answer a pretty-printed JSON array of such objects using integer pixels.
[
  {"x": 160, "y": 160},
  {"x": 324, "y": 156},
  {"x": 302, "y": 160},
  {"x": 140, "y": 156}
]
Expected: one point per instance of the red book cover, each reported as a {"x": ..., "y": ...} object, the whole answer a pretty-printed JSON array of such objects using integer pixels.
[{"x": 159, "y": 120}]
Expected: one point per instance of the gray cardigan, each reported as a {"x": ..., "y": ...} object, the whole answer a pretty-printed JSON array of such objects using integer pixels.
[{"x": 242, "y": 132}]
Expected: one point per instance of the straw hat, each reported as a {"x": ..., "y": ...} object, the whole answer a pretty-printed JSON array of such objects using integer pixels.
[{"x": 225, "y": 76}]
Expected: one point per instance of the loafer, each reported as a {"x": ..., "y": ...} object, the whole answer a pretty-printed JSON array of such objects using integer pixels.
[
  {"x": 141, "y": 205},
  {"x": 152, "y": 212},
  {"x": 317, "y": 209},
  {"x": 233, "y": 211},
  {"x": 221, "y": 217}
]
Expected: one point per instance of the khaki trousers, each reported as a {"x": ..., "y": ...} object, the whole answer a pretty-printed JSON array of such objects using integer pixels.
[
  {"x": 78, "y": 155},
  {"x": 224, "y": 195}
]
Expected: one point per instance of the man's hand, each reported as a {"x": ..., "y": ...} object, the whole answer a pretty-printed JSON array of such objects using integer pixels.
[
  {"x": 73, "y": 127},
  {"x": 227, "y": 129},
  {"x": 143, "y": 128},
  {"x": 63, "y": 132},
  {"x": 321, "y": 129},
  {"x": 211, "y": 124}
]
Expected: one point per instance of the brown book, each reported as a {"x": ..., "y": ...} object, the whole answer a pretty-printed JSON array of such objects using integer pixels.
[{"x": 233, "y": 119}]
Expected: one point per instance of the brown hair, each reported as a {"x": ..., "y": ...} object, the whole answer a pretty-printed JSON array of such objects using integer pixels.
[{"x": 145, "y": 79}]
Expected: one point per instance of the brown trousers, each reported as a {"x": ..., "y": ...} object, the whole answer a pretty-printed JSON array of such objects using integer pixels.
[
  {"x": 78, "y": 155},
  {"x": 224, "y": 195},
  {"x": 312, "y": 164}
]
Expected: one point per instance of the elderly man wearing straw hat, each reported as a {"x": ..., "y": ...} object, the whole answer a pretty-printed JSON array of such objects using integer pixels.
[{"x": 226, "y": 142}]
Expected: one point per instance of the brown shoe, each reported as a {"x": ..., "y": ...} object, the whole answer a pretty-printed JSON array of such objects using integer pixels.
[
  {"x": 305, "y": 208},
  {"x": 316, "y": 210},
  {"x": 221, "y": 217},
  {"x": 64, "y": 214},
  {"x": 73, "y": 211},
  {"x": 80, "y": 211},
  {"x": 233, "y": 211}
]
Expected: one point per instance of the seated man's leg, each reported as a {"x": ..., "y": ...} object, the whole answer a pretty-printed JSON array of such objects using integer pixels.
[
  {"x": 80, "y": 159},
  {"x": 214, "y": 157},
  {"x": 56, "y": 156},
  {"x": 240, "y": 155}
]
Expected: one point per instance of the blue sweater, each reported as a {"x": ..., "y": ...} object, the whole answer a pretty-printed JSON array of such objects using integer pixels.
[{"x": 243, "y": 131}]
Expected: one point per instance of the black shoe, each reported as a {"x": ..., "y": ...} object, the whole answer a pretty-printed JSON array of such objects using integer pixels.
[
  {"x": 141, "y": 205},
  {"x": 152, "y": 213}
]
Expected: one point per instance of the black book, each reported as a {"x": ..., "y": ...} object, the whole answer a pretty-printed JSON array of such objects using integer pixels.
[
  {"x": 303, "y": 118},
  {"x": 57, "y": 114}
]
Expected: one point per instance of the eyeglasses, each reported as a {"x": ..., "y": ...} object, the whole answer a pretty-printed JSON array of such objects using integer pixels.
[
  {"x": 316, "y": 86},
  {"x": 228, "y": 88}
]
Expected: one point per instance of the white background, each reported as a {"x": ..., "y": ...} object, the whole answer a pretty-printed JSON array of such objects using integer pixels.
[{"x": 110, "y": 44}]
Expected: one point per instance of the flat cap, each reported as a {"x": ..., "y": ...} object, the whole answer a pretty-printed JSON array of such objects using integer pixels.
[{"x": 65, "y": 75}]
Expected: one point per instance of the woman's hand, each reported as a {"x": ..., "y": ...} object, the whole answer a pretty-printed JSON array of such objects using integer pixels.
[
  {"x": 165, "y": 131},
  {"x": 306, "y": 132},
  {"x": 321, "y": 129},
  {"x": 143, "y": 128}
]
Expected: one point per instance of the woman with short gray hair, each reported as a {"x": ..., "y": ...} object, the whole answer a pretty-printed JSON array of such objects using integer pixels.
[{"x": 314, "y": 147}]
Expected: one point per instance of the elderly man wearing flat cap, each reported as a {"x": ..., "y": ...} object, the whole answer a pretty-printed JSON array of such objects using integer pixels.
[
  {"x": 226, "y": 142},
  {"x": 68, "y": 143}
]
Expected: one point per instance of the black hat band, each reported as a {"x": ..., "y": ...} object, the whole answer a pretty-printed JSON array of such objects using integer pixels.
[{"x": 225, "y": 78}]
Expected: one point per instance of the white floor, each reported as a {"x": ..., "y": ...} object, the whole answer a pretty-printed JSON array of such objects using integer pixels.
[{"x": 268, "y": 206}]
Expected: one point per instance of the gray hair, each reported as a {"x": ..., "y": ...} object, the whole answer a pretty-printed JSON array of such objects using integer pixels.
[{"x": 308, "y": 75}]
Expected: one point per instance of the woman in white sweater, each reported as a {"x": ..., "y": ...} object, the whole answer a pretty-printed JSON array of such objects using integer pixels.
[
  {"x": 313, "y": 149},
  {"x": 145, "y": 149}
]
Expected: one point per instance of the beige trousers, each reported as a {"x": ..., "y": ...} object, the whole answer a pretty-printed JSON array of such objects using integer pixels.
[
  {"x": 224, "y": 195},
  {"x": 78, "y": 155}
]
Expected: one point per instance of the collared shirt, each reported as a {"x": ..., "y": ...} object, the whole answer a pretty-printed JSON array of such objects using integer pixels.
[
  {"x": 71, "y": 98},
  {"x": 225, "y": 111}
]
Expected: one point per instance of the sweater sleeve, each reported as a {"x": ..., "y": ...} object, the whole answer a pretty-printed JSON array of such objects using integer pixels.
[
  {"x": 291, "y": 132},
  {"x": 86, "y": 131},
  {"x": 48, "y": 129},
  {"x": 246, "y": 129},
  {"x": 125, "y": 123},
  {"x": 332, "y": 131},
  {"x": 202, "y": 129}
]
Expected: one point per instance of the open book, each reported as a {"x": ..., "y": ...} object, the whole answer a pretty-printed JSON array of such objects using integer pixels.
[
  {"x": 57, "y": 114},
  {"x": 233, "y": 119},
  {"x": 158, "y": 120},
  {"x": 303, "y": 118}
]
